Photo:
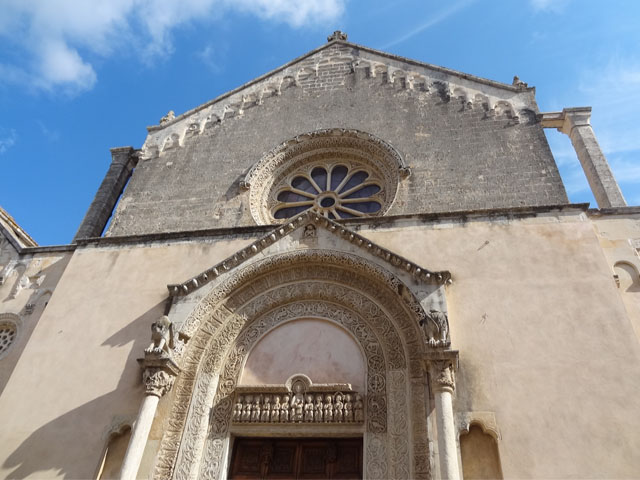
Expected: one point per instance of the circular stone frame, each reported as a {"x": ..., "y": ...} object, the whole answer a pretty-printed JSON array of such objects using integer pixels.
[{"x": 323, "y": 147}]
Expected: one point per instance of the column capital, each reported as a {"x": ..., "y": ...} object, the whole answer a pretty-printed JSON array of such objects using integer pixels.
[
  {"x": 567, "y": 119},
  {"x": 575, "y": 117},
  {"x": 441, "y": 366},
  {"x": 159, "y": 373}
]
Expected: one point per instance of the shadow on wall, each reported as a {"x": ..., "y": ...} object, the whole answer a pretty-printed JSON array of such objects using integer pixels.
[
  {"x": 31, "y": 313},
  {"x": 48, "y": 448}
]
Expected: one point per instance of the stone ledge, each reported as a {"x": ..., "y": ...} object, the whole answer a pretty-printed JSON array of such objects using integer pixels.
[
  {"x": 258, "y": 230},
  {"x": 600, "y": 212}
]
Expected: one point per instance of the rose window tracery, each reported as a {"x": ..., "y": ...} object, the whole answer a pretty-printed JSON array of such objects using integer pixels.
[
  {"x": 7, "y": 336},
  {"x": 336, "y": 191},
  {"x": 337, "y": 172}
]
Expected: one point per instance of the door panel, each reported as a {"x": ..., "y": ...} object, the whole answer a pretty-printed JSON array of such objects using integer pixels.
[{"x": 287, "y": 458}]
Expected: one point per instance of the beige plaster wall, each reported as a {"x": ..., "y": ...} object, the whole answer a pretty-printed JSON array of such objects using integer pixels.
[
  {"x": 619, "y": 237},
  {"x": 544, "y": 337},
  {"x": 323, "y": 351},
  {"x": 24, "y": 295},
  {"x": 78, "y": 376}
]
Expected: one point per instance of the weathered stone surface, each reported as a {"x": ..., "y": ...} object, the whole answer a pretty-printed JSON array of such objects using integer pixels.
[{"x": 465, "y": 153}]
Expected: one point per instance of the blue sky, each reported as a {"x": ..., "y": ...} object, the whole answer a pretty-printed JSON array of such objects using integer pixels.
[{"x": 78, "y": 77}]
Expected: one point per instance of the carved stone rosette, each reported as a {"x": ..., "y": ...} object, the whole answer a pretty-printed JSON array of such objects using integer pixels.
[{"x": 159, "y": 373}]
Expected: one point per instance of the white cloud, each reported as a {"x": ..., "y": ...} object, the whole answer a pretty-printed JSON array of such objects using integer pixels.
[
  {"x": 57, "y": 39},
  {"x": 613, "y": 90},
  {"x": 8, "y": 139},
  {"x": 555, "y": 6},
  {"x": 51, "y": 135},
  {"x": 440, "y": 16}
]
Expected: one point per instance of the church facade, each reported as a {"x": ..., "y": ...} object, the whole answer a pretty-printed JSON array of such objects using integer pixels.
[{"x": 354, "y": 266}]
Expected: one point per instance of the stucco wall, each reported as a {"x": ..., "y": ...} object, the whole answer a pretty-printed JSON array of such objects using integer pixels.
[
  {"x": 319, "y": 349},
  {"x": 78, "y": 377},
  {"x": 544, "y": 338}
]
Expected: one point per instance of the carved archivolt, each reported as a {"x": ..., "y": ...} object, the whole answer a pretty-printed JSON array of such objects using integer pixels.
[
  {"x": 341, "y": 288},
  {"x": 376, "y": 395},
  {"x": 328, "y": 149}
]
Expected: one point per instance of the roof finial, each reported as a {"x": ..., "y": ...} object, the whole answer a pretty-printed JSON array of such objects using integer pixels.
[
  {"x": 518, "y": 83},
  {"x": 337, "y": 35}
]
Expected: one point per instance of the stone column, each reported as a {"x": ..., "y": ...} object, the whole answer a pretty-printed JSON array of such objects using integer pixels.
[
  {"x": 158, "y": 377},
  {"x": 575, "y": 122},
  {"x": 123, "y": 162},
  {"x": 441, "y": 366}
]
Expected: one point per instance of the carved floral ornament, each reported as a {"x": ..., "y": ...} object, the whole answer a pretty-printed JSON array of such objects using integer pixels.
[{"x": 336, "y": 172}]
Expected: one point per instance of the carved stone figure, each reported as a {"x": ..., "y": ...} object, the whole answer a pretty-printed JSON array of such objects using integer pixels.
[
  {"x": 318, "y": 409},
  {"x": 308, "y": 408},
  {"x": 337, "y": 411},
  {"x": 436, "y": 328},
  {"x": 161, "y": 336},
  {"x": 266, "y": 409},
  {"x": 284, "y": 409},
  {"x": 310, "y": 231},
  {"x": 237, "y": 410},
  {"x": 246, "y": 409},
  {"x": 297, "y": 404},
  {"x": 255, "y": 410},
  {"x": 358, "y": 411},
  {"x": 275, "y": 411},
  {"x": 328, "y": 409},
  {"x": 348, "y": 409},
  {"x": 168, "y": 117}
]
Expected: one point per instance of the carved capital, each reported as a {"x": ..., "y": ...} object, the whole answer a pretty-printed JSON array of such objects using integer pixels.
[
  {"x": 157, "y": 381},
  {"x": 159, "y": 373},
  {"x": 441, "y": 366},
  {"x": 442, "y": 376}
]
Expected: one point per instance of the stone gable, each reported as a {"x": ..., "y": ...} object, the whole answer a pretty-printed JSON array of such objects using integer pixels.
[{"x": 469, "y": 143}]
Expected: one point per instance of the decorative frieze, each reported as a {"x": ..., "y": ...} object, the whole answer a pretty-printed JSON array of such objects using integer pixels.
[
  {"x": 298, "y": 401},
  {"x": 365, "y": 67}
]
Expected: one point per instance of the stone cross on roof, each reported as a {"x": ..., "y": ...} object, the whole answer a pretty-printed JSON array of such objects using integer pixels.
[{"x": 337, "y": 35}]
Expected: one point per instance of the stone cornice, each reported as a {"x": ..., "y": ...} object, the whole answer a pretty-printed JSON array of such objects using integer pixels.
[
  {"x": 498, "y": 99},
  {"x": 300, "y": 221},
  {"x": 275, "y": 71}
]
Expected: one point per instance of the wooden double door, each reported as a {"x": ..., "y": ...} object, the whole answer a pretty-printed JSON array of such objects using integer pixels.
[{"x": 296, "y": 458}]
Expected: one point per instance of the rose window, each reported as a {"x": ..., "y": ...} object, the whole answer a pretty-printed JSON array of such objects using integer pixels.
[
  {"x": 7, "y": 336},
  {"x": 337, "y": 191}
]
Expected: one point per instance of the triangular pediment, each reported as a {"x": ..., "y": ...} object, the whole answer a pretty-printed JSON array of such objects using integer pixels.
[
  {"x": 365, "y": 62},
  {"x": 307, "y": 226}
]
